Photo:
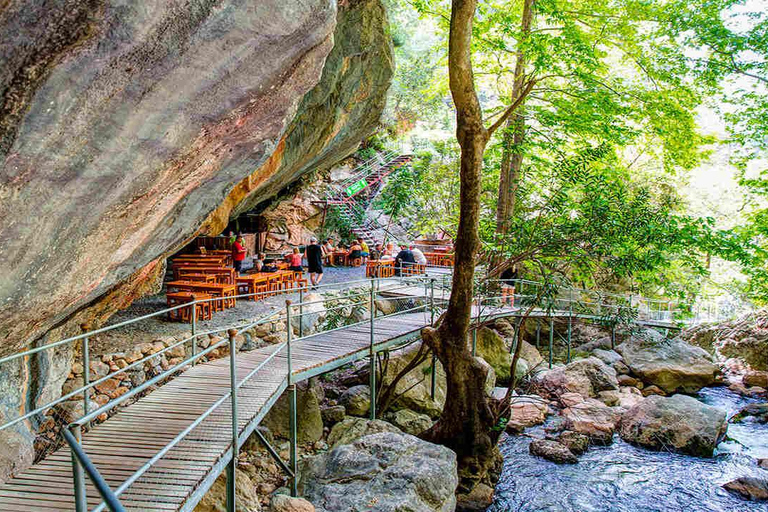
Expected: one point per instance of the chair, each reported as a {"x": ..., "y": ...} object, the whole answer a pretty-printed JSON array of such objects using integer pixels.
[{"x": 300, "y": 280}]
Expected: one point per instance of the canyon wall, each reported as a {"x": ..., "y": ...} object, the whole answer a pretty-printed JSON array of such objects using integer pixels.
[{"x": 127, "y": 128}]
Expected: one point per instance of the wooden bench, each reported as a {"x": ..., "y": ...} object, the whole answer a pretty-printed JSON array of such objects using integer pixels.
[{"x": 204, "y": 309}]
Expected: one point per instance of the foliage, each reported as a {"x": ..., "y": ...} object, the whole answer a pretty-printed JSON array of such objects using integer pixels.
[{"x": 344, "y": 307}]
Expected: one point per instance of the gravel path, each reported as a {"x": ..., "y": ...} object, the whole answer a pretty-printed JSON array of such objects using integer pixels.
[{"x": 122, "y": 338}]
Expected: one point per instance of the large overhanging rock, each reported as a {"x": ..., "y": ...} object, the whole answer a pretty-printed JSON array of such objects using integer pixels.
[
  {"x": 586, "y": 377},
  {"x": 673, "y": 365}
]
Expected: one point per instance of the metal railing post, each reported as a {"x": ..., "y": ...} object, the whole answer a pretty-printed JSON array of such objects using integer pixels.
[
  {"x": 232, "y": 468},
  {"x": 568, "y": 355},
  {"x": 292, "y": 403},
  {"x": 433, "y": 376},
  {"x": 551, "y": 339},
  {"x": 78, "y": 475},
  {"x": 86, "y": 376},
  {"x": 194, "y": 333},
  {"x": 301, "y": 312},
  {"x": 538, "y": 333},
  {"x": 613, "y": 335},
  {"x": 372, "y": 354}
]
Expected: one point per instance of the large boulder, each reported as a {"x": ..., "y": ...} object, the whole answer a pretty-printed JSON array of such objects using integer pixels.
[
  {"x": 414, "y": 389},
  {"x": 351, "y": 429},
  {"x": 381, "y": 472},
  {"x": 594, "y": 419},
  {"x": 678, "y": 423},
  {"x": 308, "y": 415},
  {"x": 586, "y": 377},
  {"x": 356, "y": 400},
  {"x": 671, "y": 364},
  {"x": 495, "y": 351},
  {"x": 756, "y": 378},
  {"x": 311, "y": 314}
]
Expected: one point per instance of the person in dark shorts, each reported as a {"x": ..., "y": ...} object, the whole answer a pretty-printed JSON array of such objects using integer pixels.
[{"x": 314, "y": 255}]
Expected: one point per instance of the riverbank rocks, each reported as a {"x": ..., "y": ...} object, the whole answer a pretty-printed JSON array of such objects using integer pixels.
[
  {"x": 756, "y": 378},
  {"x": 381, "y": 472},
  {"x": 678, "y": 423},
  {"x": 312, "y": 313},
  {"x": 757, "y": 411},
  {"x": 526, "y": 411},
  {"x": 750, "y": 487},
  {"x": 671, "y": 364},
  {"x": 356, "y": 400},
  {"x": 495, "y": 351},
  {"x": 586, "y": 377},
  {"x": 576, "y": 442},
  {"x": 216, "y": 498},
  {"x": 285, "y": 503},
  {"x": 350, "y": 429},
  {"x": 309, "y": 418},
  {"x": 593, "y": 419},
  {"x": 552, "y": 451},
  {"x": 414, "y": 389},
  {"x": 409, "y": 421},
  {"x": 332, "y": 415}
]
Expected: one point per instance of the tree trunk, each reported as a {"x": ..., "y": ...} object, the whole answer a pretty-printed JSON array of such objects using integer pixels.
[
  {"x": 466, "y": 420},
  {"x": 514, "y": 135}
]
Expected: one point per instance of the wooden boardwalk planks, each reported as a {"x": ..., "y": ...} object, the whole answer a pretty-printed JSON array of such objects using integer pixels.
[{"x": 126, "y": 441}]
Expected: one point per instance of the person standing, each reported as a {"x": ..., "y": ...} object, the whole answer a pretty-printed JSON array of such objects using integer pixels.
[
  {"x": 238, "y": 253},
  {"x": 314, "y": 255}
]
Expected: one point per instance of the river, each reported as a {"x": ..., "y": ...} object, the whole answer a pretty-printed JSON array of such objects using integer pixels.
[{"x": 624, "y": 478}]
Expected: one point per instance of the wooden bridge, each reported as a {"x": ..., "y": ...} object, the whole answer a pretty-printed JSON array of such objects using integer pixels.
[{"x": 165, "y": 451}]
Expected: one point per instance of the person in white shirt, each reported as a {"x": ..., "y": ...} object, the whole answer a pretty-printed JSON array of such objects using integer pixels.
[{"x": 418, "y": 255}]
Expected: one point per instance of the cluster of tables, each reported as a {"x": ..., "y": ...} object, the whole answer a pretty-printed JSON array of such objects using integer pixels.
[{"x": 209, "y": 276}]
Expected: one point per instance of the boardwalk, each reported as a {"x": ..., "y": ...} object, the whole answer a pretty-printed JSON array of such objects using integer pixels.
[{"x": 125, "y": 442}]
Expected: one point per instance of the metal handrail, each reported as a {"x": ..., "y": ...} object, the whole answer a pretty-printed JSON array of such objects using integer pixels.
[{"x": 109, "y": 497}]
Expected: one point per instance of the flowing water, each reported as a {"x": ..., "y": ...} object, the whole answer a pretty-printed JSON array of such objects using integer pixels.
[{"x": 625, "y": 478}]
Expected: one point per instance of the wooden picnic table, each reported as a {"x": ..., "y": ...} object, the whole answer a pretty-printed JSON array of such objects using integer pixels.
[
  {"x": 253, "y": 283},
  {"x": 339, "y": 258},
  {"x": 204, "y": 309},
  {"x": 212, "y": 259},
  {"x": 227, "y": 291},
  {"x": 439, "y": 259},
  {"x": 198, "y": 277},
  {"x": 224, "y": 275}
]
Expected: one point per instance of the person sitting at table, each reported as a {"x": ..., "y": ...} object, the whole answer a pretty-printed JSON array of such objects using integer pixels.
[
  {"x": 364, "y": 250},
  {"x": 328, "y": 248},
  {"x": 391, "y": 251},
  {"x": 404, "y": 259},
  {"x": 294, "y": 260},
  {"x": 258, "y": 262},
  {"x": 355, "y": 254},
  {"x": 269, "y": 265},
  {"x": 238, "y": 253},
  {"x": 376, "y": 252},
  {"x": 417, "y": 254}
]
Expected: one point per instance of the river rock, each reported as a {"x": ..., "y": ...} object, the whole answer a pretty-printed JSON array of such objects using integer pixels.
[
  {"x": 750, "y": 487},
  {"x": 215, "y": 499},
  {"x": 576, "y": 442},
  {"x": 609, "y": 357},
  {"x": 381, "y": 472},
  {"x": 626, "y": 380},
  {"x": 285, "y": 503},
  {"x": 586, "y": 377},
  {"x": 763, "y": 463},
  {"x": 755, "y": 378},
  {"x": 350, "y": 429},
  {"x": 313, "y": 311},
  {"x": 478, "y": 500},
  {"x": 678, "y": 423},
  {"x": 409, "y": 421},
  {"x": 610, "y": 398},
  {"x": 594, "y": 419},
  {"x": 356, "y": 400},
  {"x": 652, "y": 390},
  {"x": 526, "y": 411},
  {"x": 671, "y": 364},
  {"x": 552, "y": 451},
  {"x": 569, "y": 399},
  {"x": 757, "y": 411},
  {"x": 308, "y": 416},
  {"x": 495, "y": 351},
  {"x": 531, "y": 355},
  {"x": 629, "y": 396}
]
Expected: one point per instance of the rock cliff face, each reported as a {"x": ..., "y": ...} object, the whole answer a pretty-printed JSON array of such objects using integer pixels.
[{"x": 127, "y": 128}]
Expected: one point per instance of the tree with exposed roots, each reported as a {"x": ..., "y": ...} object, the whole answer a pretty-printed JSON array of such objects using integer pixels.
[{"x": 467, "y": 421}]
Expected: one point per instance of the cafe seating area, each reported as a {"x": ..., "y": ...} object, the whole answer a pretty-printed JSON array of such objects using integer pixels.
[{"x": 209, "y": 274}]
